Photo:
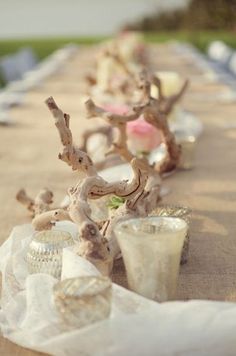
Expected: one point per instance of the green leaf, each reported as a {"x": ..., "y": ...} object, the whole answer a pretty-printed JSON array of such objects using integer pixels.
[{"x": 115, "y": 202}]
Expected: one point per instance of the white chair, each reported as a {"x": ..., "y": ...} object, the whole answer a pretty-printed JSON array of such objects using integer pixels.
[
  {"x": 218, "y": 51},
  {"x": 8, "y": 68},
  {"x": 26, "y": 60},
  {"x": 12, "y": 67}
]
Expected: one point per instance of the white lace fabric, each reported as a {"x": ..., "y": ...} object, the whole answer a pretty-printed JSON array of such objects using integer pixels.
[{"x": 137, "y": 326}]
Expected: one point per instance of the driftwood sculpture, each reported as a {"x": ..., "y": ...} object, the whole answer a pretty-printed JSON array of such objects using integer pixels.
[
  {"x": 154, "y": 111},
  {"x": 97, "y": 241},
  {"x": 141, "y": 194}
]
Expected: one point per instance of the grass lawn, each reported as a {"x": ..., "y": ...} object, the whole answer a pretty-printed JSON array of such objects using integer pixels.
[
  {"x": 44, "y": 46},
  {"x": 200, "y": 39}
]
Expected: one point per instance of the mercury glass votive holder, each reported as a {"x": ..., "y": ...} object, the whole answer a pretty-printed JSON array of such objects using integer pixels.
[
  {"x": 151, "y": 249},
  {"x": 84, "y": 300},
  {"x": 177, "y": 211},
  {"x": 188, "y": 148},
  {"x": 45, "y": 252}
]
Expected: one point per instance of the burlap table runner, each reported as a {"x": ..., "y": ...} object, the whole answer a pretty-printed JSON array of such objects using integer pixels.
[{"x": 28, "y": 156}]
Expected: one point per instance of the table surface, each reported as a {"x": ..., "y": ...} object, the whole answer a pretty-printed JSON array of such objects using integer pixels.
[{"x": 28, "y": 156}]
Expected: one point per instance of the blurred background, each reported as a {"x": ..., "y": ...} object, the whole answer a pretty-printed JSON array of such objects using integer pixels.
[{"x": 44, "y": 26}]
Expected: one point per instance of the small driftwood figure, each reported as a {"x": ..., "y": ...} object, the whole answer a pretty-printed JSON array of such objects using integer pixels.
[
  {"x": 41, "y": 203},
  {"x": 40, "y": 208}
]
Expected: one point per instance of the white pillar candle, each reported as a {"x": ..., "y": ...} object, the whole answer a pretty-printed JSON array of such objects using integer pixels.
[{"x": 171, "y": 83}]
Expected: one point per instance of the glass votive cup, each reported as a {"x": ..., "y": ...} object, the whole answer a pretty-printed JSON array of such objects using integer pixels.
[
  {"x": 44, "y": 254},
  {"x": 177, "y": 211},
  {"x": 151, "y": 249},
  {"x": 84, "y": 300},
  {"x": 188, "y": 148}
]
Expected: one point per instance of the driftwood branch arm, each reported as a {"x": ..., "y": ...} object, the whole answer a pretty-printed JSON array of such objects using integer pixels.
[
  {"x": 39, "y": 204},
  {"x": 173, "y": 99},
  {"x": 25, "y": 200},
  {"x": 46, "y": 220},
  {"x": 156, "y": 112},
  {"x": 71, "y": 154},
  {"x": 103, "y": 130}
]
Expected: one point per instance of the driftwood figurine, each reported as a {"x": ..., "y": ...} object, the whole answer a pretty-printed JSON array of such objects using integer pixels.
[
  {"x": 154, "y": 111},
  {"x": 41, "y": 203},
  {"x": 40, "y": 208},
  {"x": 97, "y": 241}
]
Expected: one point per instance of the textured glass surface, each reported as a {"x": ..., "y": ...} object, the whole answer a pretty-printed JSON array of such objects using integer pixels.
[
  {"x": 45, "y": 252},
  {"x": 177, "y": 211},
  {"x": 83, "y": 300},
  {"x": 151, "y": 248},
  {"x": 188, "y": 145}
]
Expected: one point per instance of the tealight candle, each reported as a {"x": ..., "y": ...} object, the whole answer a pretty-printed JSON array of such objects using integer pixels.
[
  {"x": 83, "y": 300},
  {"x": 151, "y": 248}
]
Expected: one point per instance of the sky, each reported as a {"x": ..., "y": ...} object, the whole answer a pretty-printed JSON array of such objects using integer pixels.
[{"x": 35, "y": 18}]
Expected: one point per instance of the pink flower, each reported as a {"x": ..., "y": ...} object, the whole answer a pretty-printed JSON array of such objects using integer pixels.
[
  {"x": 142, "y": 136},
  {"x": 116, "y": 108}
]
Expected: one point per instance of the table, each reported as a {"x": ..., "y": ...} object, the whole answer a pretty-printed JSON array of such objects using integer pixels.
[{"x": 28, "y": 156}]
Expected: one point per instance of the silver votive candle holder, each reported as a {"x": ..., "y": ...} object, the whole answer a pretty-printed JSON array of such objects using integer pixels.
[
  {"x": 83, "y": 300},
  {"x": 45, "y": 252},
  {"x": 151, "y": 249},
  {"x": 181, "y": 212},
  {"x": 188, "y": 148}
]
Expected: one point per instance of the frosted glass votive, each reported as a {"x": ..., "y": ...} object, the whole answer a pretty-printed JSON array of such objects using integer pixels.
[
  {"x": 188, "y": 148},
  {"x": 45, "y": 252},
  {"x": 177, "y": 211},
  {"x": 151, "y": 248},
  {"x": 83, "y": 300}
]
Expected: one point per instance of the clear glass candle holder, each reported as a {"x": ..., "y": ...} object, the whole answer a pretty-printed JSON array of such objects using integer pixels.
[
  {"x": 83, "y": 300},
  {"x": 151, "y": 248},
  {"x": 45, "y": 252},
  {"x": 177, "y": 211},
  {"x": 188, "y": 148}
]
